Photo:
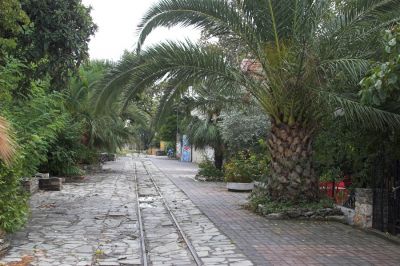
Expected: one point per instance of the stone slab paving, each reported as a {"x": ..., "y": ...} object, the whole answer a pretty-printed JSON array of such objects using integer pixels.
[
  {"x": 89, "y": 223},
  {"x": 163, "y": 242},
  {"x": 211, "y": 246},
  {"x": 276, "y": 242}
]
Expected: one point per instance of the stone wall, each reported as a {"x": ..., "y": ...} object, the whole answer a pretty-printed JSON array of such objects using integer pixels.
[
  {"x": 200, "y": 155},
  {"x": 363, "y": 208}
]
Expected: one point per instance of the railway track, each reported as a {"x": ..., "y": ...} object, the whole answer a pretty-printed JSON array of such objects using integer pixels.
[{"x": 147, "y": 193}]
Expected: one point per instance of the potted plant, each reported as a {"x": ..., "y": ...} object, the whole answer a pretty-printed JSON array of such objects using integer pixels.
[{"x": 239, "y": 173}]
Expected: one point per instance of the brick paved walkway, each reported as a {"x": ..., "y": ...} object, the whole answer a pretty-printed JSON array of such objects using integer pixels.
[{"x": 269, "y": 242}]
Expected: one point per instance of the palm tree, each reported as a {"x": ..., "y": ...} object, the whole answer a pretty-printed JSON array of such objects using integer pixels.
[
  {"x": 305, "y": 52},
  {"x": 207, "y": 101},
  {"x": 105, "y": 130}
]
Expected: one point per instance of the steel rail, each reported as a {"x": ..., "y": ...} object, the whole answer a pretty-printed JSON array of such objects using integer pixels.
[
  {"x": 143, "y": 259},
  {"x": 180, "y": 230}
]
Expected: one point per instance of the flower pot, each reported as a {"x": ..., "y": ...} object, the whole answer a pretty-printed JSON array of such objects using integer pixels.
[{"x": 240, "y": 186}]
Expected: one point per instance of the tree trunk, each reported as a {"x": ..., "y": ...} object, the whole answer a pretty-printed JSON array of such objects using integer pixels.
[
  {"x": 292, "y": 175},
  {"x": 218, "y": 157}
]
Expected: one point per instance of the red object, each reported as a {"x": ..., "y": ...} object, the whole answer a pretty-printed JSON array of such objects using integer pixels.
[{"x": 336, "y": 190}]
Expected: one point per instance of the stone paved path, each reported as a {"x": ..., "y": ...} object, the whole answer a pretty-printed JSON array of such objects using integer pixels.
[
  {"x": 211, "y": 246},
  {"x": 94, "y": 222},
  {"x": 269, "y": 242},
  {"x": 88, "y": 223}
]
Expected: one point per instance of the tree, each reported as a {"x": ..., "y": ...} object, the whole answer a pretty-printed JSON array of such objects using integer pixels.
[
  {"x": 56, "y": 41},
  {"x": 301, "y": 53},
  {"x": 243, "y": 128},
  {"x": 382, "y": 84},
  {"x": 107, "y": 130},
  {"x": 12, "y": 21}
]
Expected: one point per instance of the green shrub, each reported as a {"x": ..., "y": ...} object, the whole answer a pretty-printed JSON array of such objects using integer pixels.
[
  {"x": 63, "y": 154},
  {"x": 207, "y": 169},
  {"x": 245, "y": 167},
  {"x": 13, "y": 201},
  {"x": 259, "y": 197}
]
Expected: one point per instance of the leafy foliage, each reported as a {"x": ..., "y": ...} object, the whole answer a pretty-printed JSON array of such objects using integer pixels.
[
  {"x": 356, "y": 152},
  {"x": 208, "y": 169},
  {"x": 245, "y": 168},
  {"x": 35, "y": 122},
  {"x": 13, "y": 202},
  {"x": 56, "y": 40},
  {"x": 259, "y": 198},
  {"x": 42, "y": 43},
  {"x": 382, "y": 84},
  {"x": 12, "y": 20},
  {"x": 168, "y": 129},
  {"x": 243, "y": 129}
]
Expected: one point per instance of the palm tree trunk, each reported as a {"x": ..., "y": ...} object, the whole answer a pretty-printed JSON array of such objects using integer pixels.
[
  {"x": 292, "y": 175},
  {"x": 218, "y": 156}
]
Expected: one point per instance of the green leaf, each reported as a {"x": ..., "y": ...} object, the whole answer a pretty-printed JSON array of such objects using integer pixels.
[
  {"x": 392, "y": 79},
  {"x": 392, "y": 42},
  {"x": 375, "y": 100},
  {"x": 378, "y": 84}
]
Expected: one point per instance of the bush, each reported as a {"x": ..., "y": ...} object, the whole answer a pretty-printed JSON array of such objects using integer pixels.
[
  {"x": 207, "y": 169},
  {"x": 259, "y": 197},
  {"x": 245, "y": 167},
  {"x": 63, "y": 154},
  {"x": 13, "y": 201}
]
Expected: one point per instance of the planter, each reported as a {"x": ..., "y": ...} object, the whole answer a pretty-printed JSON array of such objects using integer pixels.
[
  {"x": 239, "y": 186},
  {"x": 50, "y": 184},
  {"x": 42, "y": 175},
  {"x": 30, "y": 185}
]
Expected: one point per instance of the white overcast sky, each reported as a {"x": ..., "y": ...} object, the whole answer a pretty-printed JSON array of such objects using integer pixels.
[{"x": 117, "y": 21}]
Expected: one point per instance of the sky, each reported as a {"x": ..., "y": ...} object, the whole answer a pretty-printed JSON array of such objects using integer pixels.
[{"x": 117, "y": 21}]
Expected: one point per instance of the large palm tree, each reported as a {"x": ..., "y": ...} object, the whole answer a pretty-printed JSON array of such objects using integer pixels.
[{"x": 301, "y": 53}]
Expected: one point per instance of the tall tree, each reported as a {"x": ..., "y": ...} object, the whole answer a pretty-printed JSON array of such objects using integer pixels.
[
  {"x": 12, "y": 21},
  {"x": 300, "y": 53},
  {"x": 56, "y": 41}
]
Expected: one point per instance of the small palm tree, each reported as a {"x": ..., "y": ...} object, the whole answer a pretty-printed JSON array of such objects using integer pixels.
[
  {"x": 207, "y": 101},
  {"x": 106, "y": 130},
  {"x": 302, "y": 53}
]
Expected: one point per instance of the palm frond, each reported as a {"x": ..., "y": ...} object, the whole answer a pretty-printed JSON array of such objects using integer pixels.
[
  {"x": 353, "y": 68},
  {"x": 112, "y": 84},
  {"x": 7, "y": 144},
  {"x": 362, "y": 115},
  {"x": 218, "y": 17},
  {"x": 203, "y": 133}
]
